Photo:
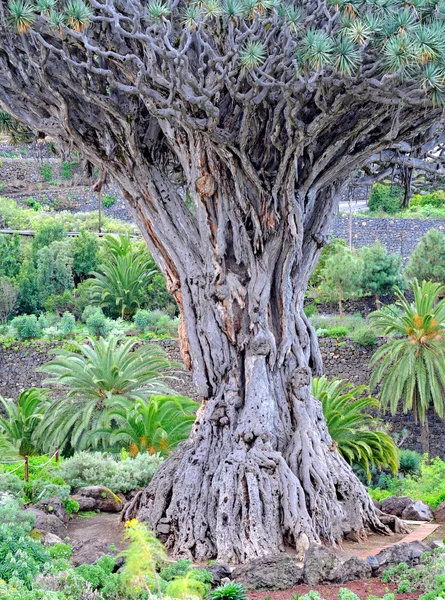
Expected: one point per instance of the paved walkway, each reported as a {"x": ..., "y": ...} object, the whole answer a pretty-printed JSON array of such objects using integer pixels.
[{"x": 417, "y": 535}]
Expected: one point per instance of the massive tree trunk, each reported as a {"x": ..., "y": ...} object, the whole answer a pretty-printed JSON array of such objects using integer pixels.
[{"x": 260, "y": 470}]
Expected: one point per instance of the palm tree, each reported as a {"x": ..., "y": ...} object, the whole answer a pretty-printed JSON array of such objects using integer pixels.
[
  {"x": 121, "y": 283},
  {"x": 156, "y": 425},
  {"x": 355, "y": 433},
  {"x": 22, "y": 419},
  {"x": 410, "y": 366},
  {"x": 96, "y": 373}
]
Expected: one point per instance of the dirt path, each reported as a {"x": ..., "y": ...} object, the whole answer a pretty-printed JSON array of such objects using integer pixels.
[{"x": 93, "y": 536}]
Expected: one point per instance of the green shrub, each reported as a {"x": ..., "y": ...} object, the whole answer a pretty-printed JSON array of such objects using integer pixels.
[
  {"x": 310, "y": 310},
  {"x": 60, "y": 550},
  {"x": 28, "y": 300},
  {"x": 176, "y": 569},
  {"x": 55, "y": 269},
  {"x": 46, "y": 171},
  {"x": 11, "y": 483},
  {"x": 12, "y": 513},
  {"x": 427, "y": 261},
  {"x": 229, "y": 591},
  {"x": 11, "y": 255},
  {"x": 67, "y": 323},
  {"x": 33, "y": 203},
  {"x": 86, "y": 468},
  {"x": 385, "y": 198},
  {"x": 21, "y": 557},
  {"x": 326, "y": 253},
  {"x": 97, "y": 324},
  {"x": 186, "y": 588},
  {"x": 345, "y": 594},
  {"x": 85, "y": 254},
  {"x": 337, "y": 332},
  {"x": 108, "y": 200},
  {"x": 435, "y": 199},
  {"x": 141, "y": 319},
  {"x": 26, "y": 326},
  {"x": 364, "y": 336},
  {"x": 410, "y": 462},
  {"x": 342, "y": 277},
  {"x": 47, "y": 234},
  {"x": 66, "y": 169}
]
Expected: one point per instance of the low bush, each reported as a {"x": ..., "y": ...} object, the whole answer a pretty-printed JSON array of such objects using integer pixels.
[
  {"x": 88, "y": 468},
  {"x": 385, "y": 198},
  {"x": 26, "y": 326},
  {"x": 12, "y": 513},
  {"x": 97, "y": 324},
  {"x": 67, "y": 323},
  {"x": 229, "y": 591},
  {"x": 435, "y": 199},
  {"x": 310, "y": 310},
  {"x": 337, "y": 331},
  {"x": 428, "y": 485},
  {"x": 410, "y": 462},
  {"x": 108, "y": 200},
  {"x": 21, "y": 557},
  {"x": 364, "y": 336}
]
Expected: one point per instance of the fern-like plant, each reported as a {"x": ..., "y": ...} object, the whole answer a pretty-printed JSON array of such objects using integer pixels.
[
  {"x": 22, "y": 418},
  {"x": 355, "y": 432},
  {"x": 144, "y": 555},
  {"x": 95, "y": 374}
]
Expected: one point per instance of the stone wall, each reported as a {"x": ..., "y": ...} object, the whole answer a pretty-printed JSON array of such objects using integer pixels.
[
  {"x": 18, "y": 364},
  {"x": 398, "y": 235}
]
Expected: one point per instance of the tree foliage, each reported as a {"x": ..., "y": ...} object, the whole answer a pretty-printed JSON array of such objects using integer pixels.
[
  {"x": 427, "y": 262},
  {"x": 410, "y": 366},
  {"x": 381, "y": 271},
  {"x": 98, "y": 372},
  {"x": 8, "y": 298},
  {"x": 22, "y": 418},
  {"x": 342, "y": 276},
  {"x": 120, "y": 285},
  {"x": 85, "y": 254},
  {"x": 10, "y": 255},
  {"x": 55, "y": 269},
  {"x": 156, "y": 425}
]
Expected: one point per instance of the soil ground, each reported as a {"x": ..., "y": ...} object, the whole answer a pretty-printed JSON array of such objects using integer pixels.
[
  {"x": 94, "y": 535},
  {"x": 363, "y": 589}
]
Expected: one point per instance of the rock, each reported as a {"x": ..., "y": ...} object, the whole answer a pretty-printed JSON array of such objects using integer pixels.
[
  {"x": 219, "y": 571},
  {"x": 98, "y": 497},
  {"x": 356, "y": 568},
  {"x": 409, "y": 553},
  {"x": 46, "y": 523},
  {"x": 439, "y": 513},
  {"x": 321, "y": 565},
  {"x": 377, "y": 504},
  {"x": 163, "y": 528},
  {"x": 418, "y": 511},
  {"x": 89, "y": 552},
  {"x": 395, "y": 505},
  {"x": 278, "y": 572},
  {"x": 53, "y": 506},
  {"x": 49, "y": 539}
]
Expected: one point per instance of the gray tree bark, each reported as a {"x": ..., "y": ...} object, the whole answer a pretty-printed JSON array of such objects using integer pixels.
[{"x": 260, "y": 471}]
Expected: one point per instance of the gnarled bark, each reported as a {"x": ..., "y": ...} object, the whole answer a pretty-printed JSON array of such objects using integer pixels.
[{"x": 261, "y": 471}]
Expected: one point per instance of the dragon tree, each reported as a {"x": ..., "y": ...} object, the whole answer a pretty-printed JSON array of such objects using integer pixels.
[{"x": 233, "y": 127}]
